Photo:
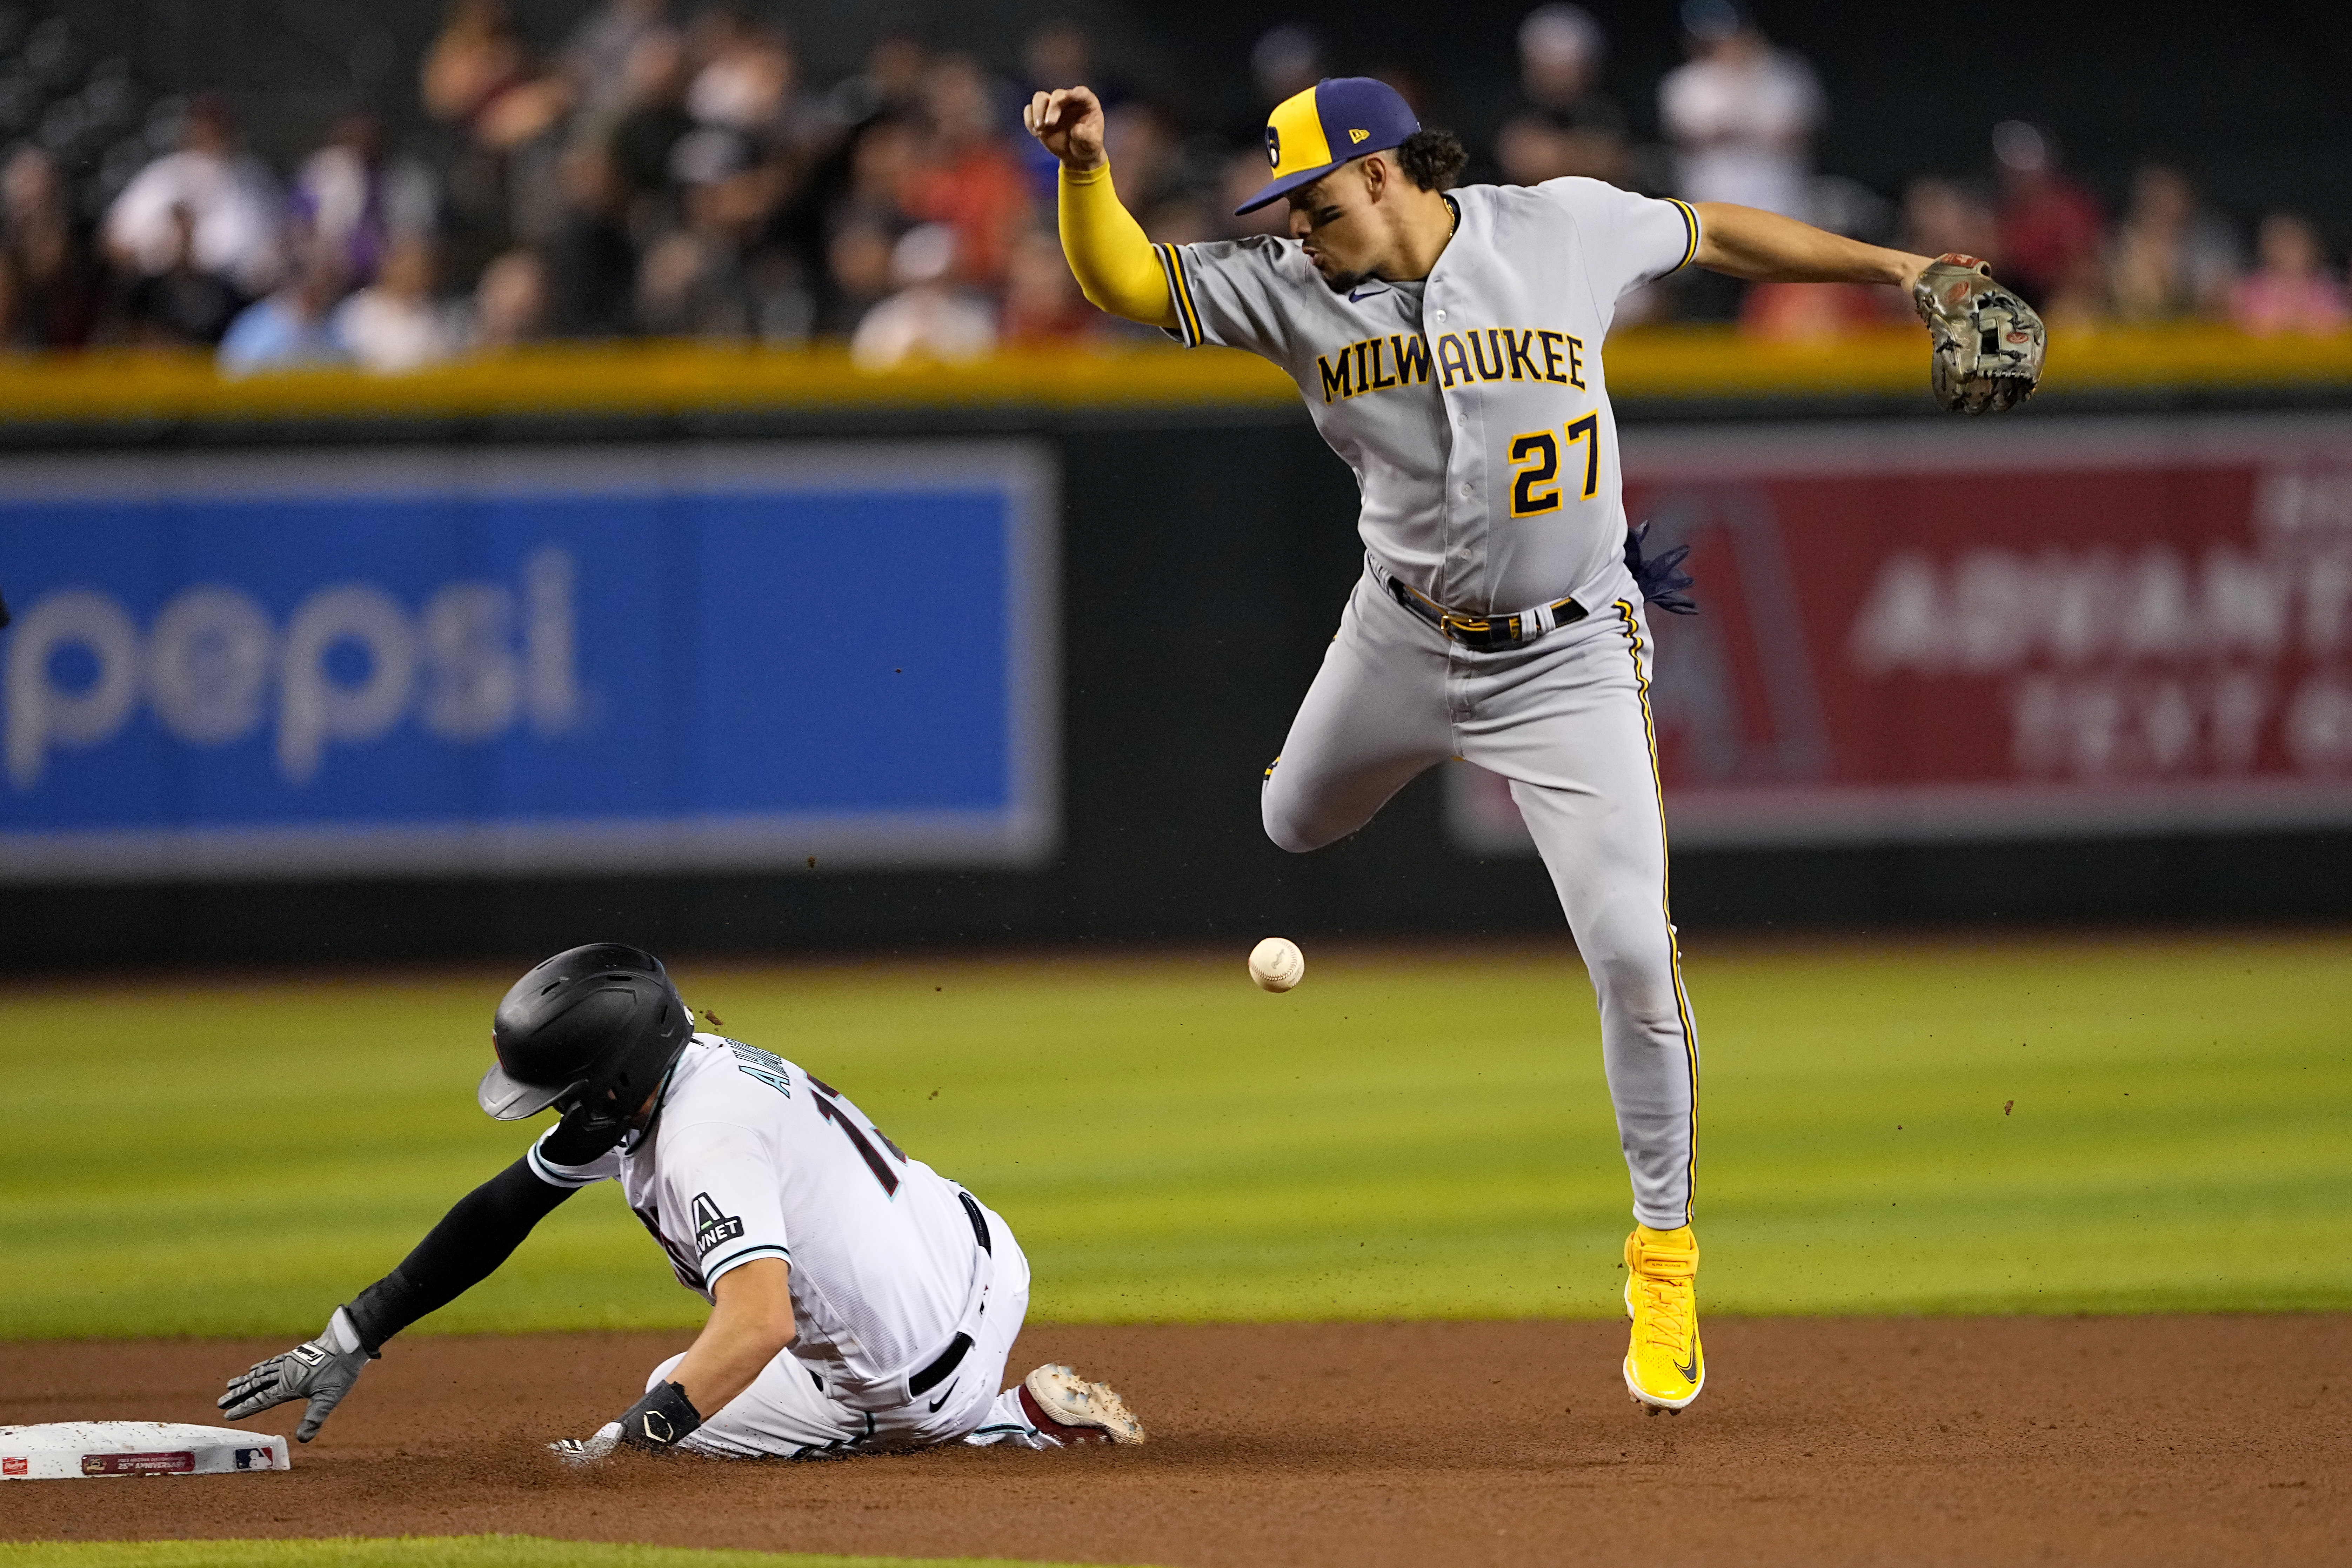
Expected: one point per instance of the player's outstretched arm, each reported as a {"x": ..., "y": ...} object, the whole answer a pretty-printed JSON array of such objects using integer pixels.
[
  {"x": 1987, "y": 344},
  {"x": 473, "y": 1238},
  {"x": 1108, "y": 250},
  {"x": 1765, "y": 247},
  {"x": 751, "y": 1323}
]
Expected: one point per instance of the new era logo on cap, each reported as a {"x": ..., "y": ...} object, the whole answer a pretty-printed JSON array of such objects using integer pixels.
[{"x": 1313, "y": 132}]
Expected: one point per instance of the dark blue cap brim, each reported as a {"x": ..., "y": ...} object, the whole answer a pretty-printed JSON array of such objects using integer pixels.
[{"x": 1280, "y": 188}]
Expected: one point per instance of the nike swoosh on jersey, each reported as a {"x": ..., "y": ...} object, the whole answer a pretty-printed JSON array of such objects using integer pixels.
[
  {"x": 1357, "y": 297},
  {"x": 941, "y": 1399}
]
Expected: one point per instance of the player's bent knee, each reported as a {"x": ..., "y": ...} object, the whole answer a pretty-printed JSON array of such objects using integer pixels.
[
  {"x": 1287, "y": 836},
  {"x": 1293, "y": 830},
  {"x": 1281, "y": 822}
]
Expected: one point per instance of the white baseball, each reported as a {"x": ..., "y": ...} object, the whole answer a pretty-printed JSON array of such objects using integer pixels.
[{"x": 1276, "y": 964}]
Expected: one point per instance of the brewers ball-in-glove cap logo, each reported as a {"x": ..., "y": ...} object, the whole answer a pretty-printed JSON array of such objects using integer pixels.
[
  {"x": 1313, "y": 132},
  {"x": 1986, "y": 342},
  {"x": 591, "y": 1029}
]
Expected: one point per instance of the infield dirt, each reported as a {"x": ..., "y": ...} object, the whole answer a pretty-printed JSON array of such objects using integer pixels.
[{"x": 1924, "y": 1440}]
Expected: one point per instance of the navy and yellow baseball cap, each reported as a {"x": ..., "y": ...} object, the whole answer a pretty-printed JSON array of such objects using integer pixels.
[{"x": 1313, "y": 132}]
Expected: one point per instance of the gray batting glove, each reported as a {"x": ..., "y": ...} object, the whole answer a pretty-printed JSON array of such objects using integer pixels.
[
  {"x": 321, "y": 1371},
  {"x": 582, "y": 1452}
]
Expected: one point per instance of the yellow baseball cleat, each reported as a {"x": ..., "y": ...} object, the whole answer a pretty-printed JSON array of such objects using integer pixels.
[{"x": 1664, "y": 1366}]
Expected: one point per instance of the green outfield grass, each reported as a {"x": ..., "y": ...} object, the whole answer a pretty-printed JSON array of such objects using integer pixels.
[
  {"x": 435, "y": 1552},
  {"x": 1407, "y": 1134}
]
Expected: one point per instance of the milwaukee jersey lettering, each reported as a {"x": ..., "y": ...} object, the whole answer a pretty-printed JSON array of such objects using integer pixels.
[
  {"x": 1471, "y": 404},
  {"x": 1376, "y": 364}
]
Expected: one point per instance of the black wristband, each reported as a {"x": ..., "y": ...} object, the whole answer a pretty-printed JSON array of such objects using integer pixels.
[
  {"x": 382, "y": 1309},
  {"x": 661, "y": 1419}
]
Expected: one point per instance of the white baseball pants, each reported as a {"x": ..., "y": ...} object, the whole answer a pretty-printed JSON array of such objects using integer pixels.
[
  {"x": 1566, "y": 720},
  {"x": 785, "y": 1414}
]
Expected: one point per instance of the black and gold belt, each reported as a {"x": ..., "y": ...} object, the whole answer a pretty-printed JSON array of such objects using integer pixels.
[{"x": 1488, "y": 633}]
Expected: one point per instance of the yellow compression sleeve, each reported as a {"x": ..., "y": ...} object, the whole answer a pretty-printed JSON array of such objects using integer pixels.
[{"x": 1114, "y": 263}]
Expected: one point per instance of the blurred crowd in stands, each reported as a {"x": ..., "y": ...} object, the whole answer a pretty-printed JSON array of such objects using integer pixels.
[{"x": 669, "y": 171}]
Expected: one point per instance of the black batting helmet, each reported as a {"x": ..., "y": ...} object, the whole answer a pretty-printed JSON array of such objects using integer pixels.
[{"x": 599, "y": 1019}]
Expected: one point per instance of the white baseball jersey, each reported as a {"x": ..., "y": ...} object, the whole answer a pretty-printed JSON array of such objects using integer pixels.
[
  {"x": 748, "y": 1157},
  {"x": 1471, "y": 403}
]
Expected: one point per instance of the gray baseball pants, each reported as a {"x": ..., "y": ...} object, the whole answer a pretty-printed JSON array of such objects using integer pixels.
[{"x": 1566, "y": 719}]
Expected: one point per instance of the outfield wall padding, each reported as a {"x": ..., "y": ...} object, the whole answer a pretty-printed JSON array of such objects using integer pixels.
[{"x": 1200, "y": 551}]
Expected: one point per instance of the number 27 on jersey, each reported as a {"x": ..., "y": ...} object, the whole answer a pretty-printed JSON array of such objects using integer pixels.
[{"x": 1535, "y": 485}]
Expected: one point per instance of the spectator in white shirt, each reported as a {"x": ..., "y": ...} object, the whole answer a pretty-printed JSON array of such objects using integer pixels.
[
  {"x": 230, "y": 198},
  {"x": 744, "y": 75},
  {"x": 1741, "y": 113},
  {"x": 394, "y": 324},
  {"x": 928, "y": 317}
]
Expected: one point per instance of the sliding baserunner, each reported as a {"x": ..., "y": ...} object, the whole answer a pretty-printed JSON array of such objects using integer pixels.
[{"x": 860, "y": 1302}]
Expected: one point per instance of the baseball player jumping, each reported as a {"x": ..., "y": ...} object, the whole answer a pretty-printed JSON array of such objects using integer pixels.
[
  {"x": 1448, "y": 345},
  {"x": 860, "y": 1302}
]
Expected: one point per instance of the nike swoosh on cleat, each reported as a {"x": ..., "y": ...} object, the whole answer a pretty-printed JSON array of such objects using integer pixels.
[{"x": 1689, "y": 1372}]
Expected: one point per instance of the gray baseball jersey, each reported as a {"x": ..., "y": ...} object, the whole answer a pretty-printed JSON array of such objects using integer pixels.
[{"x": 1471, "y": 404}]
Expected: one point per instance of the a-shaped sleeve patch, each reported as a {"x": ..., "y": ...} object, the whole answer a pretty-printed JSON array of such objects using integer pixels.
[
  {"x": 723, "y": 1197},
  {"x": 712, "y": 1228}
]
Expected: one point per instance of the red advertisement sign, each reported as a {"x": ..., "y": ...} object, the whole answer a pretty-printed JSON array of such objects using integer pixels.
[{"x": 1998, "y": 628}]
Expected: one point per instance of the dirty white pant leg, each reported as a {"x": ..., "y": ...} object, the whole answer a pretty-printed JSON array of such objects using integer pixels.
[{"x": 781, "y": 1416}]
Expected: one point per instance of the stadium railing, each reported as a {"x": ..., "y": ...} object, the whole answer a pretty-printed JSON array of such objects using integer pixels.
[{"x": 1654, "y": 368}]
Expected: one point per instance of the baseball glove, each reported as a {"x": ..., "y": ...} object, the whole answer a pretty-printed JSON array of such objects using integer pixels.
[{"x": 1988, "y": 341}]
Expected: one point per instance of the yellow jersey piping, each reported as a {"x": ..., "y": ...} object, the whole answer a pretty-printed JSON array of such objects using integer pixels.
[
  {"x": 1180, "y": 289},
  {"x": 1665, "y": 901},
  {"x": 1690, "y": 222}
]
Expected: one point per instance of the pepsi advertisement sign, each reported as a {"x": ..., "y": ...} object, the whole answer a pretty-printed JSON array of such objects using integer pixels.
[{"x": 428, "y": 663}]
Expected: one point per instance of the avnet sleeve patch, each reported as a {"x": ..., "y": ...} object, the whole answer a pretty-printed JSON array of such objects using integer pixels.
[{"x": 711, "y": 1226}]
